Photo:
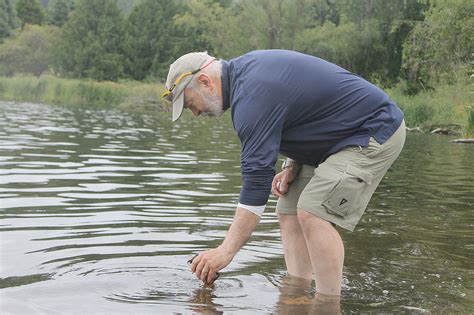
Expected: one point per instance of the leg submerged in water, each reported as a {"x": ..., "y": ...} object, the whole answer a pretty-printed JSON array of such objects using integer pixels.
[
  {"x": 326, "y": 252},
  {"x": 295, "y": 296},
  {"x": 325, "y": 304},
  {"x": 297, "y": 259},
  {"x": 312, "y": 246}
]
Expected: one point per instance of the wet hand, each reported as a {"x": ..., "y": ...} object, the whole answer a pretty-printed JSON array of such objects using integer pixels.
[
  {"x": 208, "y": 263},
  {"x": 282, "y": 181}
]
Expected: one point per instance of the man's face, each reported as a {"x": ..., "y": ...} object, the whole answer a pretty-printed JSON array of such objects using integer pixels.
[{"x": 203, "y": 102}]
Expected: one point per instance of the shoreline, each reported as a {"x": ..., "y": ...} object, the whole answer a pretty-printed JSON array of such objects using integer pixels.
[
  {"x": 446, "y": 108},
  {"x": 124, "y": 95}
]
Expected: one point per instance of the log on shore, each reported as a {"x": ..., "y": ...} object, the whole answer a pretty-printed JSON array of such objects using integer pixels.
[
  {"x": 468, "y": 140},
  {"x": 445, "y": 131},
  {"x": 415, "y": 129}
]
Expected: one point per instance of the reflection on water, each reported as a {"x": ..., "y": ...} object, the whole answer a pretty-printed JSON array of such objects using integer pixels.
[{"x": 100, "y": 210}]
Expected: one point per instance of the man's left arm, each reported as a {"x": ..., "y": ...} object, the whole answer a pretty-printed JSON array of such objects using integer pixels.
[{"x": 206, "y": 264}]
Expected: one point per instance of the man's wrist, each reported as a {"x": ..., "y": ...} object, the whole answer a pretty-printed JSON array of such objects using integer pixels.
[
  {"x": 291, "y": 164},
  {"x": 227, "y": 250}
]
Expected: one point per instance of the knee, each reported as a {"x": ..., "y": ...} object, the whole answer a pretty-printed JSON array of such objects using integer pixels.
[
  {"x": 289, "y": 223},
  {"x": 308, "y": 220}
]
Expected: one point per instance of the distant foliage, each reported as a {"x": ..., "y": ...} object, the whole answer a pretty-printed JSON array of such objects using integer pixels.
[
  {"x": 366, "y": 36},
  {"x": 413, "y": 43},
  {"x": 154, "y": 39},
  {"x": 126, "y": 6},
  {"x": 30, "y": 12},
  {"x": 218, "y": 26},
  {"x": 59, "y": 11},
  {"x": 349, "y": 51},
  {"x": 8, "y": 18},
  {"x": 92, "y": 41},
  {"x": 32, "y": 51},
  {"x": 440, "y": 47}
]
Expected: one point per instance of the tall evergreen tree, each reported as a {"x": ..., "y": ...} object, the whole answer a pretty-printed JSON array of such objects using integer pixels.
[
  {"x": 93, "y": 41},
  {"x": 59, "y": 12},
  {"x": 30, "y": 12},
  {"x": 154, "y": 39},
  {"x": 126, "y": 6},
  {"x": 8, "y": 19}
]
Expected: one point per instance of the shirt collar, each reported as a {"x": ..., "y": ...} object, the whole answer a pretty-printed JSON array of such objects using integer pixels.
[{"x": 225, "y": 84}]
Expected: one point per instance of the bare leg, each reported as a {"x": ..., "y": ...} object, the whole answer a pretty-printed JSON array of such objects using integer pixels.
[
  {"x": 326, "y": 252},
  {"x": 297, "y": 258}
]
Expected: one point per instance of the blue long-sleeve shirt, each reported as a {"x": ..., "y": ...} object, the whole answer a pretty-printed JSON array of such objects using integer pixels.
[{"x": 301, "y": 106}]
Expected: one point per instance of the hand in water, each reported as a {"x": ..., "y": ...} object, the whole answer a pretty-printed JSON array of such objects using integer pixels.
[{"x": 207, "y": 264}]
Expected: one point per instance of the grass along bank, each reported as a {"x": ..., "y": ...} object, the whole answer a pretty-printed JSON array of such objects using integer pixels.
[
  {"x": 449, "y": 105},
  {"x": 73, "y": 92}
]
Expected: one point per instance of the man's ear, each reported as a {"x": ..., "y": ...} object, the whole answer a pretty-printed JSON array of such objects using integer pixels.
[{"x": 204, "y": 79}]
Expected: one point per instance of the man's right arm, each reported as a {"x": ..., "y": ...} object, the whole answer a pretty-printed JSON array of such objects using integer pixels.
[{"x": 282, "y": 180}]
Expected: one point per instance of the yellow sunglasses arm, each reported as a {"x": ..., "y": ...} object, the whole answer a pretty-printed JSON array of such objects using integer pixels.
[{"x": 168, "y": 92}]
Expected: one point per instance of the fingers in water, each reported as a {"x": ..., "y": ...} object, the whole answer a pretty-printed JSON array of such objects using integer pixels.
[
  {"x": 211, "y": 281},
  {"x": 205, "y": 277},
  {"x": 194, "y": 262},
  {"x": 191, "y": 260}
]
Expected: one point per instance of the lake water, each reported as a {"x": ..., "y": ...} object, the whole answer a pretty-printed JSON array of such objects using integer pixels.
[{"x": 101, "y": 209}]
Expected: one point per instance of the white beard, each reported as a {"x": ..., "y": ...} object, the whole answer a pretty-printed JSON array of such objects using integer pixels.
[{"x": 215, "y": 108}]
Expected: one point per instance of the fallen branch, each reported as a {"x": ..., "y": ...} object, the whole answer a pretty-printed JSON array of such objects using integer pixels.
[{"x": 468, "y": 140}]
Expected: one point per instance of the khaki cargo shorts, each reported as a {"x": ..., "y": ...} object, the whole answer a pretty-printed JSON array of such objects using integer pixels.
[{"x": 340, "y": 188}]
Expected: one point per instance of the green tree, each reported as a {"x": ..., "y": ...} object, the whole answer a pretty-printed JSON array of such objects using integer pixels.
[
  {"x": 239, "y": 26},
  {"x": 59, "y": 12},
  {"x": 30, "y": 12},
  {"x": 344, "y": 45},
  {"x": 298, "y": 15},
  {"x": 395, "y": 20},
  {"x": 270, "y": 24},
  {"x": 244, "y": 25},
  {"x": 30, "y": 52},
  {"x": 92, "y": 42},
  {"x": 440, "y": 47},
  {"x": 154, "y": 40},
  {"x": 381, "y": 29},
  {"x": 7, "y": 18},
  {"x": 126, "y": 6},
  {"x": 217, "y": 28},
  {"x": 374, "y": 30}
]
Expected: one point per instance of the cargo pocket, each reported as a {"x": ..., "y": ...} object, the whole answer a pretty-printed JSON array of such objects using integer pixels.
[{"x": 345, "y": 196}]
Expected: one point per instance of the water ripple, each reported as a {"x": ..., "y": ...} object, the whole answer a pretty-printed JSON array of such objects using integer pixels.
[{"x": 111, "y": 205}]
